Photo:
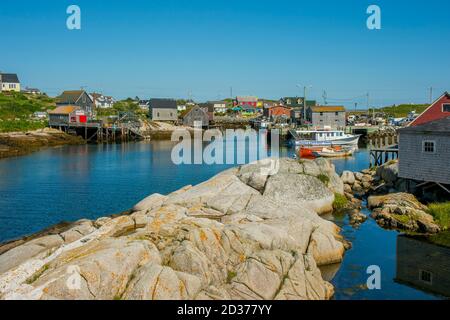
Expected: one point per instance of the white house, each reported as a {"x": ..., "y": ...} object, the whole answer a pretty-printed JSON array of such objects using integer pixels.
[
  {"x": 144, "y": 104},
  {"x": 219, "y": 106},
  {"x": 9, "y": 82},
  {"x": 101, "y": 101}
]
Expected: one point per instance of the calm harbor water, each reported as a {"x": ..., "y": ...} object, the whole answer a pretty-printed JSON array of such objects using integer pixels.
[{"x": 74, "y": 182}]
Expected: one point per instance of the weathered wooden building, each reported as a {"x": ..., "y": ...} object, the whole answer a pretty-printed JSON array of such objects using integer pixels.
[
  {"x": 163, "y": 110},
  {"x": 326, "y": 116},
  {"x": 78, "y": 98},
  {"x": 424, "y": 152},
  {"x": 297, "y": 105},
  {"x": 197, "y": 116},
  {"x": 65, "y": 115},
  {"x": 209, "y": 108}
]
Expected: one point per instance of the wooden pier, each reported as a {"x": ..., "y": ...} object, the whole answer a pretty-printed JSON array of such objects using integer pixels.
[
  {"x": 100, "y": 132},
  {"x": 382, "y": 155}
]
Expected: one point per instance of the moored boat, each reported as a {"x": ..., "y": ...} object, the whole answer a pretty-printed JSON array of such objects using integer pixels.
[
  {"x": 313, "y": 152},
  {"x": 334, "y": 153},
  {"x": 324, "y": 138}
]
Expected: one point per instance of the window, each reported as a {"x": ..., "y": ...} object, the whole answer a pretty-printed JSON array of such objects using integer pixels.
[
  {"x": 429, "y": 147},
  {"x": 321, "y": 114},
  {"x": 446, "y": 107},
  {"x": 336, "y": 113},
  {"x": 426, "y": 276}
]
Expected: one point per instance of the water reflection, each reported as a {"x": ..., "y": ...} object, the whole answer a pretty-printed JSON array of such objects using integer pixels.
[{"x": 423, "y": 265}]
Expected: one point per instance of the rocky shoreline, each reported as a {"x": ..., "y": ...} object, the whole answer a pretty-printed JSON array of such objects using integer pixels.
[
  {"x": 388, "y": 198},
  {"x": 242, "y": 234},
  {"x": 21, "y": 143}
]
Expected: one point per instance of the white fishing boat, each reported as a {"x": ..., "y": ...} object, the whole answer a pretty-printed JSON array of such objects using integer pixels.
[{"x": 324, "y": 138}]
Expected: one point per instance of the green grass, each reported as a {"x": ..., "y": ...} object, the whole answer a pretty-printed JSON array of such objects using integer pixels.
[
  {"x": 340, "y": 202},
  {"x": 21, "y": 125},
  {"x": 324, "y": 178},
  {"x": 402, "y": 110},
  {"x": 442, "y": 239},
  {"x": 16, "y": 111},
  {"x": 401, "y": 218},
  {"x": 441, "y": 214}
]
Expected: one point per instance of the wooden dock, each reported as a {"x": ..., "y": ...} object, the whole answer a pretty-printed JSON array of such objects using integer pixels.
[
  {"x": 382, "y": 155},
  {"x": 95, "y": 131}
]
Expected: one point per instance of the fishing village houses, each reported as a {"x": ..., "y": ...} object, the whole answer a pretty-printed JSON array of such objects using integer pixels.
[
  {"x": 163, "y": 110},
  {"x": 9, "y": 82},
  {"x": 297, "y": 104},
  {"x": 278, "y": 113},
  {"x": 424, "y": 147},
  {"x": 101, "y": 101},
  {"x": 219, "y": 106},
  {"x": 78, "y": 98},
  {"x": 197, "y": 116},
  {"x": 326, "y": 117}
]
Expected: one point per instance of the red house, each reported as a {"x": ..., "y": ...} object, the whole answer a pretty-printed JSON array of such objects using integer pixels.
[
  {"x": 277, "y": 111},
  {"x": 248, "y": 101},
  {"x": 440, "y": 109}
]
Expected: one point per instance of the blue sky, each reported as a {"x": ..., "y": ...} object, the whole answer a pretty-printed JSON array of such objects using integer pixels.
[{"x": 168, "y": 48}]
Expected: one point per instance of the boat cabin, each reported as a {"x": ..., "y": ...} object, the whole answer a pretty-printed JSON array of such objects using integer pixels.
[{"x": 320, "y": 135}]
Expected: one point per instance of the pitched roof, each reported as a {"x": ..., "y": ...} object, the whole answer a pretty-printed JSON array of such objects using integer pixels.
[
  {"x": 437, "y": 126},
  {"x": 194, "y": 108},
  {"x": 64, "y": 110},
  {"x": 208, "y": 105},
  {"x": 163, "y": 104},
  {"x": 9, "y": 78},
  {"x": 328, "y": 109},
  {"x": 70, "y": 96},
  {"x": 430, "y": 113}
]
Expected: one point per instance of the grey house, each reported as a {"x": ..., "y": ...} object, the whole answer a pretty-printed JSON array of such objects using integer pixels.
[
  {"x": 424, "y": 152},
  {"x": 326, "y": 117},
  {"x": 78, "y": 98},
  {"x": 196, "y": 116},
  {"x": 163, "y": 110}
]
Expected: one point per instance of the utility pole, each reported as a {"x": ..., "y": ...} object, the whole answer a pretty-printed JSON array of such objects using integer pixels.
[
  {"x": 431, "y": 95},
  {"x": 368, "y": 107},
  {"x": 304, "y": 103},
  {"x": 325, "y": 97},
  {"x": 231, "y": 93}
]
